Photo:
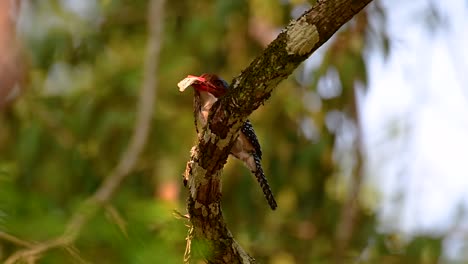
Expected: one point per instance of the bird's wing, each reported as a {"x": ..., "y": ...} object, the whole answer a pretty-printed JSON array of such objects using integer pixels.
[{"x": 248, "y": 130}]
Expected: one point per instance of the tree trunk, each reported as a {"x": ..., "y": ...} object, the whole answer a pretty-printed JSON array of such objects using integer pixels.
[{"x": 209, "y": 235}]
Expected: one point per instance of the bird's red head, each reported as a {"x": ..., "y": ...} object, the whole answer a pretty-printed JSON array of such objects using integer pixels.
[{"x": 206, "y": 82}]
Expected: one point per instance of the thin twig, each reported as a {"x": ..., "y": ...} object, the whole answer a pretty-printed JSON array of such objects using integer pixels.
[
  {"x": 14, "y": 240},
  {"x": 115, "y": 216},
  {"x": 129, "y": 157},
  {"x": 145, "y": 106},
  {"x": 74, "y": 252}
]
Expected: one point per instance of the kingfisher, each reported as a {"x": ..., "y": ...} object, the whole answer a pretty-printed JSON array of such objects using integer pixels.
[{"x": 208, "y": 88}]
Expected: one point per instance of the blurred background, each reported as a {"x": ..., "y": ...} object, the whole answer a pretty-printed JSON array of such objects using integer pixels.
[{"x": 364, "y": 145}]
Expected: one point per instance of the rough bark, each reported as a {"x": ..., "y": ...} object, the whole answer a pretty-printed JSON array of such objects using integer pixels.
[{"x": 248, "y": 91}]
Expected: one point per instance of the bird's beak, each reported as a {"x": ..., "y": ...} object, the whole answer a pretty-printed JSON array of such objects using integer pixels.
[{"x": 190, "y": 80}]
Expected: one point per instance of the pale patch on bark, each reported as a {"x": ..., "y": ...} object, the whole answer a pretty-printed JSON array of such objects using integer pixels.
[
  {"x": 211, "y": 137},
  {"x": 302, "y": 37},
  {"x": 195, "y": 181},
  {"x": 198, "y": 205},
  {"x": 214, "y": 209},
  {"x": 194, "y": 152},
  {"x": 227, "y": 258},
  {"x": 204, "y": 211}
]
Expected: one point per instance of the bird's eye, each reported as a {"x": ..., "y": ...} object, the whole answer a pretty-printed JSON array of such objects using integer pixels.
[{"x": 222, "y": 83}]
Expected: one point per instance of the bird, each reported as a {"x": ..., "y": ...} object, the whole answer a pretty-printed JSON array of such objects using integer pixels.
[{"x": 208, "y": 88}]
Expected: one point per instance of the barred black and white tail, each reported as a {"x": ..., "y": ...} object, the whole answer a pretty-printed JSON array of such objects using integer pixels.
[{"x": 264, "y": 182}]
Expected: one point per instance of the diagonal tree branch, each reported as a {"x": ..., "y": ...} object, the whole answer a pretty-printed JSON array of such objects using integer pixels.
[
  {"x": 130, "y": 156},
  {"x": 14, "y": 240},
  {"x": 212, "y": 240}
]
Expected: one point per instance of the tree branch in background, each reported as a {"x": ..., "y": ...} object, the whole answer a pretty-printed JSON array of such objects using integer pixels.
[
  {"x": 14, "y": 240},
  {"x": 129, "y": 157},
  {"x": 209, "y": 235},
  {"x": 350, "y": 209}
]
